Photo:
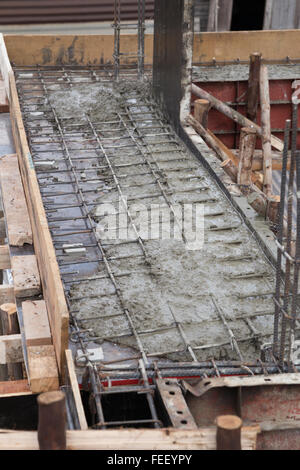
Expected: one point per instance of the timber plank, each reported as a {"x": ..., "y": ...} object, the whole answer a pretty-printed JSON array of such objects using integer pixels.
[
  {"x": 26, "y": 276},
  {"x": 133, "y": 439},
  {"x": 49, "y": 271},
  {"x": 14, "y": 203},
  {"x": 221, "y": 46},
  {"x": 43, "y": 373},
  {"x": 71, "y": 375},
  {"x": 36, "y": 323},
  {"x": 14, "y": 388}
]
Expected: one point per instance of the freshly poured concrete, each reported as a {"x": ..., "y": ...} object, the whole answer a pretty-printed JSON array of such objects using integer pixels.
[
  {"x": 178, "y": 285},
  {"x": 173, "y": 285}
]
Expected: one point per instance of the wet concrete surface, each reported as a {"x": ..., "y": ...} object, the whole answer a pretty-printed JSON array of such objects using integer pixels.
[{"x": 184, "y": 304}]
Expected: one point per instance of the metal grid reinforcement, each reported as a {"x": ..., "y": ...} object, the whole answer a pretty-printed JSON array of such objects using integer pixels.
[{"x": 134, "y": 156}]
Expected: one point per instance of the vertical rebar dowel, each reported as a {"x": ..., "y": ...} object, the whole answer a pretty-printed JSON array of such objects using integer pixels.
[
  {"x": 229, "y": 432},
  {"x": 296, "y": 265},
  {"x": 117, "y": 20},
  {"x": 280, "y": 234},
  {"x": 52, "y": 421},
  {"x": 289, "y": 233},
  {"x": 141, "y": 37}
]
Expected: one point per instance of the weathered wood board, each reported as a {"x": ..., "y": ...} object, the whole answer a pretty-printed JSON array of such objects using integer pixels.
[
  {"x": 11, "y": 349},
  {"x": 98, "y": 49},
  {"x": 26, "y": 276},
  {"x": 133, "y": 439},
  {"x": 14, "y": 203},
  {"x": 36, "y": 323},
  {"x": 43, "y": 373}
]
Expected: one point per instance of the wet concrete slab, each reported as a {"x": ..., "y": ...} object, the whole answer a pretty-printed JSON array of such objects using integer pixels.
[{"x": 162, "y": 298}]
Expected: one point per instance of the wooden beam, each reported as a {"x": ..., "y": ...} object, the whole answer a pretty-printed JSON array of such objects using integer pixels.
[
  {"x": 36, "y": 323},
  {"x": 14, "y": 388},
  {"x": 133, "y": 439},
  {"x": 4, "y": 257},
  {"x": 253, "y": 86},
  {"x": 234, "y": 115},
  {"x": 230, "y": 169},
  {"x": 53, "y": 291},
  {"x": 210, "y": 139},
  {"x": 266, "y": 129},
  {"x": 73, "y": 382},
  {"x": 14, "y": 203},
  {"x": 201, "y": 109},
  {"x": 11, "y": 349},
  {"x": 43, "y": 373},
  {"x": 230, "y": 161},
  {"x": 257, "y": 164},
  {"x": 26, "y": 276},
  {"x": 247, "y": 147},
  {"x": 232, "y": 45},
  {"x": 98, "y": 49}
]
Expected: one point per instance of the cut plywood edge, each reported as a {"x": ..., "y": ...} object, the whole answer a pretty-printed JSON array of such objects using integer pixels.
[
  {"x": 36, "y": 323},
  {"x": 133, "y": 439},
  {"x": 25, "y": 275},
  {"x": 73, "y": 382},
  {"x": 43, "y": 372},
  {"x": 14, "y": 202}
]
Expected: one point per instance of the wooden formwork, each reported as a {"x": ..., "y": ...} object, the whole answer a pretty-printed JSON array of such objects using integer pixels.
[
  {"x": 48, "y": 268},
  {"x": 84, "y": 50},
  {"x": 98, "y": 49}
]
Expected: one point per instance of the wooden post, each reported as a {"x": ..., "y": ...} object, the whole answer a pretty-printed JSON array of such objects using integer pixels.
[
  {"x": 253, "y": 86},
  {"x": 52, "y": 421},
  {"x": 10, "y": 326},
  {"x": 266, "y": 129},
  {"x": 247, "y": 147},
  {"x": 221, "y": 150},
  {"x": 273, "y": 208},
  {"x": 229, "y": 432},
  {"x": 234, "y": 115},
  {"x": 201, "y": 109},
  {"x": 230, "y": 168}
]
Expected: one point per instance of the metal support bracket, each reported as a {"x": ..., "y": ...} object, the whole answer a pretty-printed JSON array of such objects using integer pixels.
[
  {"x": 175, "y": 404},
  {"x": 207, "y": 384}
]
